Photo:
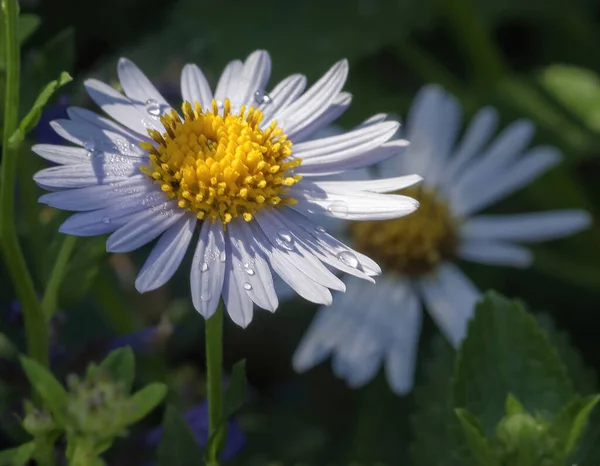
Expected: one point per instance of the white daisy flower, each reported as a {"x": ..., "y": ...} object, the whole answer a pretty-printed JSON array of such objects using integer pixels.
[
  {"x": 235, "y": 165},
  {"x": 375, "y": 325}
]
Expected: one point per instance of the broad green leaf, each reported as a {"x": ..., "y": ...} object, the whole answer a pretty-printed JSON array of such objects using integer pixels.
[
  {"x": 506, "y": 352},
  {"x": 576, "y": 88},
  {"x": 572, "y": 421},
  {"x": 143, "y": 402},
  {"x": 18, "y": 456},
  {"x": 178, "y": 446},
  {"x": 120, "y": 364},
  {"x": 433, "y": 420},
  {"x": 236, "y": 392},
  {"x": 476, "y": 439},
  {"x": 32, "y": 118},
  {"x": 53, "y": 394},
  {"x": 28, "y": 24}
]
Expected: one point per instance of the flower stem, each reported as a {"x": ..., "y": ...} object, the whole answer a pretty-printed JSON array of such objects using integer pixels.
[
  {"x": 56, "y": 276},
  {"x": 214, "y": 376},
  {"x": 35, "y": 323}
]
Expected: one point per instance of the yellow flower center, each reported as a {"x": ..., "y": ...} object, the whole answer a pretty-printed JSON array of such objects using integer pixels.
[
  {"x": 221, "y": 166},
  {"x": 414, "y": 244}
]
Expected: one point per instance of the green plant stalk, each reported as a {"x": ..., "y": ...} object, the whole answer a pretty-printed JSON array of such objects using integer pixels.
[
  {"x": 214, "y": 376},
  {"x": 35, "y": 324},
  {"x": 49, "y": 303},
  {"x": 476, "y": 41}
]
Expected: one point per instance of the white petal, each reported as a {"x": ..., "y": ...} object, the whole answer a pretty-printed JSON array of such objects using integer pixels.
[
  {"x": 99, "y": 196},
  {"x": 112, "y": 217},
  {"x": 144, "y": 228},
  {"x": 86, "y": 116},
  {"x": 347, "y": 144},
  {"x": 137, "y": 86},
  {"x": 167, "y": 254},
  {"x": 237, "y": 301},
  {"x": 286, "y": 243},
  {"x": 314, "y": 101},
  {"x": 351, "y": 205},
  {"x": 253, "y": 78},
  {"x": 195, "y": 87},
  {"x": 339, "y": 105},
  {"x": 495, "y": 253},
  {"x": 250, "y": 264},
  {"x": 450, "y": 298},
  {"x": 208, "y": 269},
  {"x": 64, "y": 155},
  {"x": 480, "y": 130},
  {"x": 468, "y": 199},
  {"x": 97, "y": 140},
  {"x": 405, "y": 324},
  {"x": 340, "y": 162},
  {"x": 332, "y": 252},
  {"x": 300, "y": 282},
  {"x": 228, "y": 80},
  {"x": 120, "y": 108},
  {"x": 282, "y": 95},
  {"x": 377, "y": 185},
  {"x": 505, "y": 149},
  {"x": 89, "y": 174},
  {"x": 529, "y": 227}
]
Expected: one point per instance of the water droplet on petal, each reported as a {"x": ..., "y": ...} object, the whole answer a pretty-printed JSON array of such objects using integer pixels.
[
  {"x": 90, "y": 147},
  {"x": 250, "y": 271},
  {"x": 153, "y": 107},
  {"x": 348, "y": 258},
  {"x": 285, "y": 235},
  {"x": 247, "y": 286},
  {"x": 204, "y": 267},
  {"x": 262, "y": 98},
  {"x": 338, "y": 209},
  {"x": 222, "y": 256},
  {"x": 105, "y": 220},
  {"x": 320, "y": 229},
  {"x": 220, "y": 104},
  {"x": 206, "y": 296}
]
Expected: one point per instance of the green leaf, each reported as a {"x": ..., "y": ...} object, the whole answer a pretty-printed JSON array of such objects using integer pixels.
[
  {"x": 513, "y": 406},
  {"x": 143, "y": 402},
  {"x": 506, "y": 352},
  {"x": 18, "y": 456},
  {"x": 236, "y": 392},
  {"x": 576, "y": 88},
  {"x": 28, "y": 24},
  {"x": 120, "y": 364},
  {"x": 178, "y": 446},
  {"x": 433, "y": 421},
  {"x": 572, "y": 420},
  {"x": 53, "y": 394},
  {"x": 32, "y": 118},
  {"x": 480, "y": 447}
]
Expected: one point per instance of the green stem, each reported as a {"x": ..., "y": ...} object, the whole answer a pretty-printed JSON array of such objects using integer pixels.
[
  {"x": 49, "y": 303},
  {"x": 475, "y": 39},
  {"x": 214, "y": 375},
  {"x": 35, "y": 323}
]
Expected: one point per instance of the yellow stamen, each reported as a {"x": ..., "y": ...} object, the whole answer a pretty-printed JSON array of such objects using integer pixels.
[
  {"x": 411, "y": 245},
  {"x": 221, "y": 166}
]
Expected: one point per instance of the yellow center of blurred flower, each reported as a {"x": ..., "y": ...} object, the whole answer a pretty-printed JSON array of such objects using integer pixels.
[
  {"x": 221, "y": 166},
  {"x": 411, "y": 245}
]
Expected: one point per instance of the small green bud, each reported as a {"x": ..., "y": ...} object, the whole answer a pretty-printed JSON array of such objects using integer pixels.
[{"x": 37, "y": 422}]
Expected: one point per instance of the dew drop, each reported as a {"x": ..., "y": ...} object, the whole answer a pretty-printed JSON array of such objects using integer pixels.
[
  {"x": 320, "y": 229},
  {"x": 249, "y": 271},
  {"x": 204, "y": 267},
  {"x": 222, "y": 256},
  {"x": 220, "y": 104},
  {"x": 285, "y": 235},
  {"x": 338, "y": 208},
  {"x": 206, "y": 296},
  {"x": 247, "y": 286},
  {"x": 153, "y": 107},
  {"x": 90, "y": 147},
  {"x": 262, "y": 98},
  {"x": 105, "y": 220},
  {"x": 348, "y": 258}
]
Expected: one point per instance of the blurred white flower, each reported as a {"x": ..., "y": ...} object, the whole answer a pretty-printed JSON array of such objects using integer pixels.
[
  {"x": 375, "y": 325},
  {"x": 234, "y": 164}
]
